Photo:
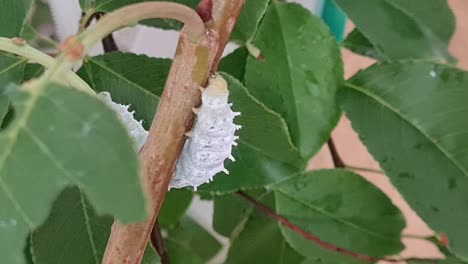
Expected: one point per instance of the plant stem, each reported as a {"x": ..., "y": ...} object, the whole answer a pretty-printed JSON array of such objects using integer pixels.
[
  {"x": 158, "y": 242},
  {"x": 190, "y": 69},
  {"x": 298, "y": 230},
  {"x": 109, "y": 45},
  {"x": 427, "y": 238},
  {"x": 335, "y": 156},
  {"x": 45, "y": 60},
  {"x": 131, "y": 14},
  {"x": 225, "y": 20},
  {"x": 304, "y": 233},
  {"x": 364, "y": 169}
]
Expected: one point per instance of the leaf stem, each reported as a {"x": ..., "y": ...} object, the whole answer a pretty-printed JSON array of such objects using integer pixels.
[
  {"x": 335, "y": 156},
  {"x": 158, "y": 242},
  {"x": 339, "y": 163},
  {"x": 282, "y": 220},
  {"x": 328, "y": 246},
  {"x": 32, "y": 54},
  {"x": 134, "y": 13},
  {"x": 364, "y": 169}
]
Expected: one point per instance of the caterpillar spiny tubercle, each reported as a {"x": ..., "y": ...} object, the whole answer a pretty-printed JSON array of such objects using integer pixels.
[
  {"x": 134, "y": 128},
  {"x": 211, "y": 140}
]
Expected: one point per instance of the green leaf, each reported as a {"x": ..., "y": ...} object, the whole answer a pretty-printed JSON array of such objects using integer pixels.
[
  {"x": 249, "y": 18},
  {"x": 409, "y": 115},
  {"x": 73, "y": 232},
  {"x": 358, "y": 43},
  {"x": 300, "y": 75},
  {"x": 132, "y": 79},
  {"x": 13, "y": 15},
  {"x": 188, "y": 242},
  {"x": 230, "y": 214},
  {"x": 175, "y": 204},
  {"x": 261, "y": 241},
  {"x": 234, "y": 63},
  {"x": 32, "y": 71},
  {"x": 265, "y": 153},
  {"x": 65, "y": 137},
  {"x": 151, "y": 256},
  {"x": 4, "y": 107},
  {"x": 11, "y": 69},
  {"x": 341, "y": 208},
  {"x": 86, "y": 5},
  {"x": 401, "y": 29}
]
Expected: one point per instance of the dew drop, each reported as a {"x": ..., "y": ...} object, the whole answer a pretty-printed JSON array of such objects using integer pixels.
[
  {"x": 433, "y": 73},
  {"x": 12, "y": 222}
]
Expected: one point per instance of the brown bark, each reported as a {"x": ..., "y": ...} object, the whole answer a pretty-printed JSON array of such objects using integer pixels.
[{"x": 190, "y": 69}]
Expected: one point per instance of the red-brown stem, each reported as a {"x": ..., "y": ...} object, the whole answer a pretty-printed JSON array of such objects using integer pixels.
[
  {"x": 310, "y": 236},
  {"x": 337, "y": 161},
  {"x": 158, "y": 242}
]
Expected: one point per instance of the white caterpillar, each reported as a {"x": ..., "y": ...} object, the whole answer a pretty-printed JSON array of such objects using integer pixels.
[
  {"x": 211, "y": 140},
  {"x": 209, "y": 143}
]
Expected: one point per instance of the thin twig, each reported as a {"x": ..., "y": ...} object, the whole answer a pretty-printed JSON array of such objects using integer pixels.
[
  {"x": 335, "y": 156},
  {"x": 315, "y": 239},
  {"x": 122, "y": 17},
  {"x": 32, "y": 54},
  {"x": 158, "y": 242}
]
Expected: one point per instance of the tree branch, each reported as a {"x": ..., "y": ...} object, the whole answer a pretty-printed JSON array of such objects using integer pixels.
[
  {"x": 158, "y": 242},
  {"x": 190, "y": 69},
  {"x": 328, "y": 246},
  {"x": 337, "y": 161},
  {"x": 225, "y": 15}
]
